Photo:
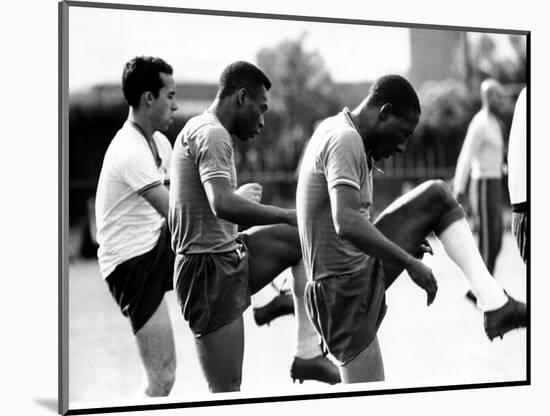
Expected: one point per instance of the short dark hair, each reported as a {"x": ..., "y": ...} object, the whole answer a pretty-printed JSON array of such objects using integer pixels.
[
  {"x": 242, "y": 74},
  {"x": 141, "y": 74},
  {"x": 397, "y": 91}
]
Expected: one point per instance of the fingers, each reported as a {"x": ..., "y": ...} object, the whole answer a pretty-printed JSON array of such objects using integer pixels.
[
  {"x": 431, "y": 289},
  {"x": 252, "y": 191},
  {"x": 426, "y": 249},
  {"x": 254, "y": 186},
  {"x": 255, "y": 190}
]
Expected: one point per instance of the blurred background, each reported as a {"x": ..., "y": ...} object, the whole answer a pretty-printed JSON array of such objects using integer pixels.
[{"x": 316, "y": 69}]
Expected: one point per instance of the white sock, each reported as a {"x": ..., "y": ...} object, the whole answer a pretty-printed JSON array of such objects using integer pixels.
[
  {"x": 307, "y": 340},
  {"x": 461, "y": 247},
  {"x": 263, "y": 296}
]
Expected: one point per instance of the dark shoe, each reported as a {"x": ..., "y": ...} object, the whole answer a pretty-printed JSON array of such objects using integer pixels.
[
  {"x": 280, "y": 305},
  {"x": 510, "y": 316},
  {"x": 471, "y": 297},
  {"x": 318, "y": 368}
]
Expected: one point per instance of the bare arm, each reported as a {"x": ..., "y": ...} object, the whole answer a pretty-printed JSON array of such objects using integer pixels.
[
  {"x": 158, "y": 198},
  {"x": 470, "y": 147},
  {"x": 352, "y": 226},
  {"x": 228, "y": 205}
]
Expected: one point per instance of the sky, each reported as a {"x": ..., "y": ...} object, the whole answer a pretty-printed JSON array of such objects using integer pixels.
[{"x": 199, "y": 47}]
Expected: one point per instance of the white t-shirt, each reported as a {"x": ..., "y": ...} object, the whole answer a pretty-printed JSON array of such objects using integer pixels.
[
  {"x": 517, "y": 152},
  {"x": 482, "y": 153},
  {"x": 128, "y": 225}
]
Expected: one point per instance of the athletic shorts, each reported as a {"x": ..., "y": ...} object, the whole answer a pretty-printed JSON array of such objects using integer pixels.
[
  {"x": 347, "y": 310},
  {"x": 138, "y": 285},
  {"x": 212, "y": 288},
  {"x": 519, "y": 229}
]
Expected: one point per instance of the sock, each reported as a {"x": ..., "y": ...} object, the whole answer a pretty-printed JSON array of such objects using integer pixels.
[
  {"x": 459, "y": 243},
  {"x": 307, "y": 340},
  {"x": 263, "y": 296}
]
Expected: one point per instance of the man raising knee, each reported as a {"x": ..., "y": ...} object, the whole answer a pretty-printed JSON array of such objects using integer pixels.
[
  {"x": 349, "y": 261},
  {"x": 216, "y": 268}
]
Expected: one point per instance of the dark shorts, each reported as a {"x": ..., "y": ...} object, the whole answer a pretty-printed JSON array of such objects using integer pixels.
[
  {"x": 347, "y": 310},
  {"x": 138, "y": 285},
  {"x": 519, "y": 229},
  {"x": 212, "y": 288}
]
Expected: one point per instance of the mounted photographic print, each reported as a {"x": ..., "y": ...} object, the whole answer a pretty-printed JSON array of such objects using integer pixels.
[{"x": 262, "y": 208}]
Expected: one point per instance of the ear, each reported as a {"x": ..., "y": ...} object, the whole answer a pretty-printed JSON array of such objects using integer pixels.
[
  {"x": 385, "y": 111},
  {"x": 147, "y": 97},
  {"x": 241, "y": 94}
]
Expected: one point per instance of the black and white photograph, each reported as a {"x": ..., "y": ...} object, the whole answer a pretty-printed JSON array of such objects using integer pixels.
[
  {"x": 264, "y": 207},
  {"x": 247, "y": 208}
]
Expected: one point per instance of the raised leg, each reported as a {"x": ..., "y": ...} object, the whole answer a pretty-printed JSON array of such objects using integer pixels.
[
  {"x": 412, "y": 217},
  {"x": 155, "y": 342},
  {"x": 272, "y": 249}
]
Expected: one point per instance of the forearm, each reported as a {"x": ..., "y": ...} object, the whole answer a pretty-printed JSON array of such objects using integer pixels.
[
  {"x": 242, "y": 211},
  {"x": 463, "y": 165},
  {"x": 367, "y": 238},
  {"x": 461, "y": 174}
]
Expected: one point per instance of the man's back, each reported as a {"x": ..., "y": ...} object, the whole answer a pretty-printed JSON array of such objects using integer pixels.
[{"x": 203, "y": 150}]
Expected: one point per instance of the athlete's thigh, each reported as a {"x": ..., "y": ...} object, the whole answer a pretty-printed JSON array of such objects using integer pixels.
[
  {"x": 155, "y": 342},
  {"x": 220, "y": 354},
  {"x": 271, "y": 250},
  {"x": 407, "y": 222}
]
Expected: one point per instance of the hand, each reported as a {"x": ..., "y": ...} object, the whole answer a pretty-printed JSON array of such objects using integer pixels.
[
  {"x": 252, "y": 191},
  {"x": 424, "y": 248},
  {"x": 423, "y": 277}
]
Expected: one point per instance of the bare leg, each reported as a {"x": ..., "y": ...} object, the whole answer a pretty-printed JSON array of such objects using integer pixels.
[
  {"x": 431, "y": 207},
  {"x": 412, "y": 217},
  {"x": 367, "y": 366},
  {"x": 155, "y": 342},
  {"x": 272, "y": 249},
  {"x": 221, "y": 356}
]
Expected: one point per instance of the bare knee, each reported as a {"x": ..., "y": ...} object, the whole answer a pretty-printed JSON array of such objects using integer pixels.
[{"x": 439, "y": 195}]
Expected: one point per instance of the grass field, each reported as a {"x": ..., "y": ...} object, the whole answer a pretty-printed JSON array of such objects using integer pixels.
[{"x": 437, "y": 346}]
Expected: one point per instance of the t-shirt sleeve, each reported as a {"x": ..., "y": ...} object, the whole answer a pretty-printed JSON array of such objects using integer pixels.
[
  {"x": 342, "y": 160},
  {"x": 214, "y": 156},
  {"x": 138, "y": 170}
]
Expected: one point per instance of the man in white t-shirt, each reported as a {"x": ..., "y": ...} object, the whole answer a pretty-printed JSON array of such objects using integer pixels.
[
  {"x": 517, "y": 174},
  {"x": 134, "y": 254},
  {"x": 481, "y": 159}
]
